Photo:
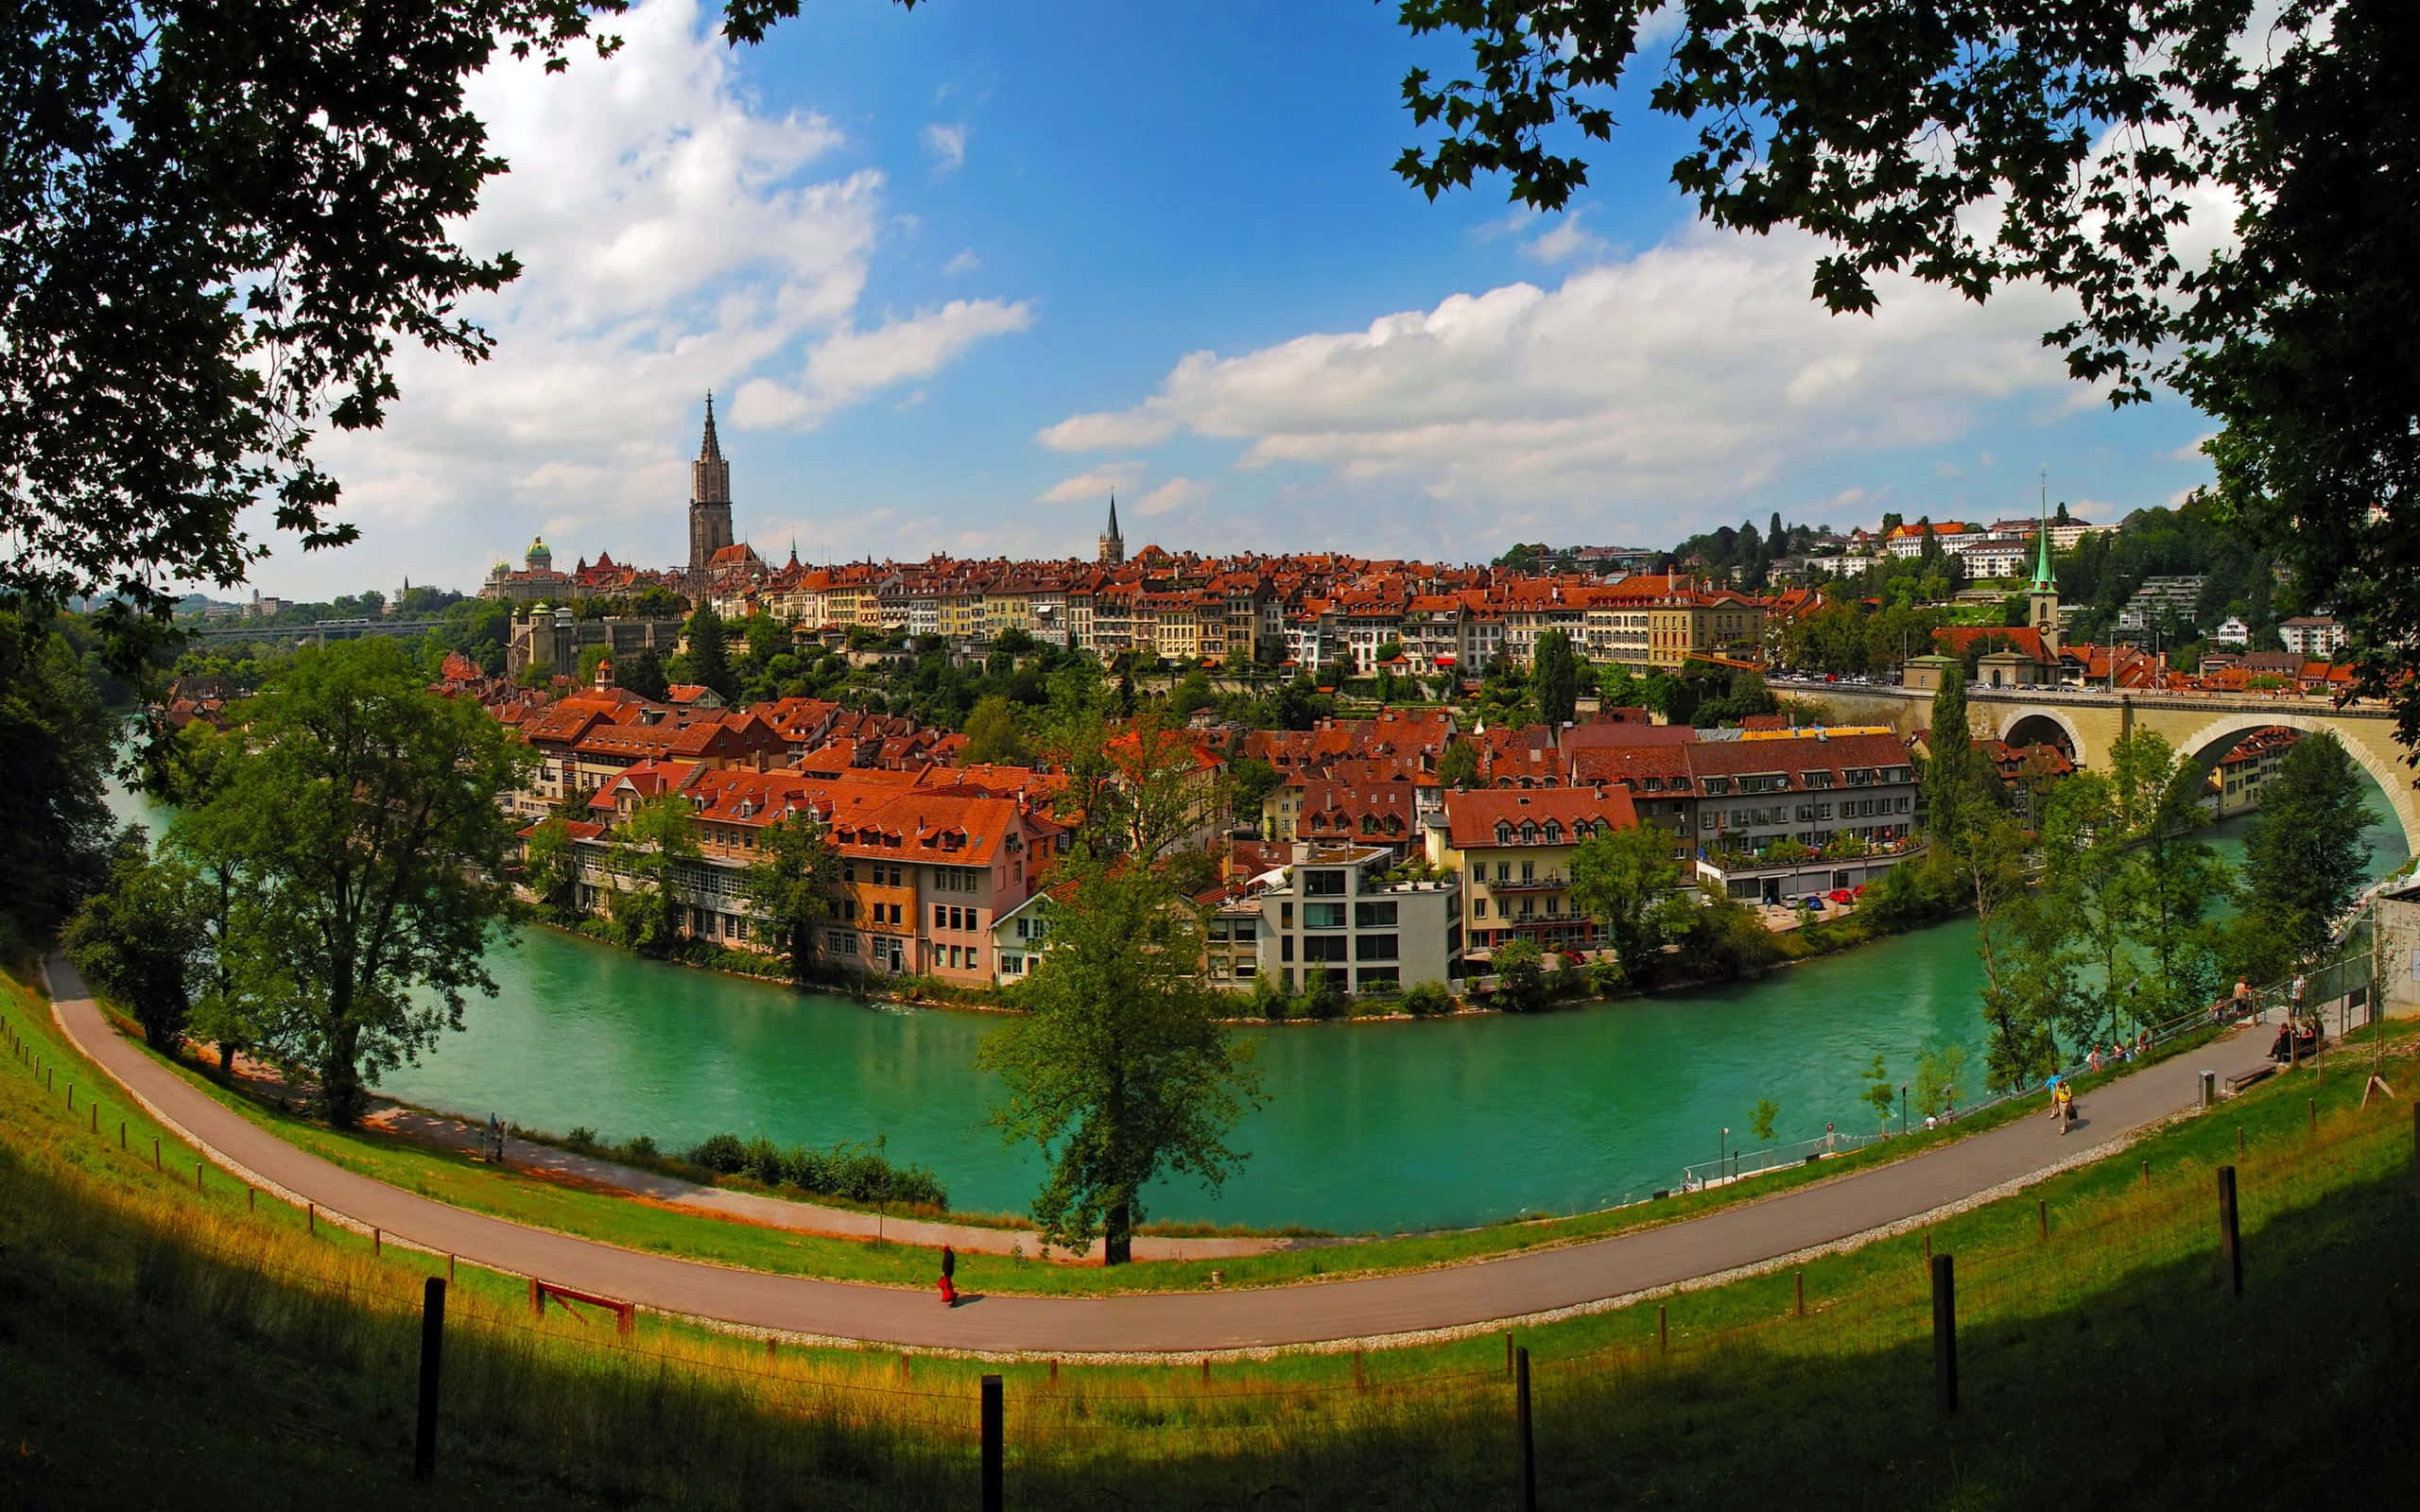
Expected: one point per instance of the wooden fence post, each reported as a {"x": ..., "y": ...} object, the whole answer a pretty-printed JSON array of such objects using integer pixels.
[
  {"x": 1945, "y": 1330},
  {"x": 1521, "y": 1419},
  {"x": 2042, "y": 1216},
  {"x": 1801, "y": 1281},
  {"x": 1663, "y": 1336},
  {"x": 432, "y": 1352},
  {"x": 992, "y": 1433},
  {"x": 1507, "y": 1355},
  {"x": 1358, "y": 1384},
  {"x": 2230, "y": 1247}
]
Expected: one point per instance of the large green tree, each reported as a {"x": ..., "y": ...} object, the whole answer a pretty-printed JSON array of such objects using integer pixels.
[
  {"x": 1955, "y": 772},
  {"x": 1981, "y": 144},
  {"x": 2304, "y": 857},
  {"x": 1117, "y": 1066},
  {"x": 364, "y": 811},
  {"x": 792, "y": 888},
  {"x": 706, "y": 661}
]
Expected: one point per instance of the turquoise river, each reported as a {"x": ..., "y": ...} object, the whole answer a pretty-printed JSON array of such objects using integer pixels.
[{"x": 1368, "y": 1126}]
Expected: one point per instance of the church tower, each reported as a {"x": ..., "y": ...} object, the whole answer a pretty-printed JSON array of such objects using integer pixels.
[
  {"x": 709, "y": 501},
  {"x": 2042, "y": 597},
  {"x": 1112, "y": 545}
]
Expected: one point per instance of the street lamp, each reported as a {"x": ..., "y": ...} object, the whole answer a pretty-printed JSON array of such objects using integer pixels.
[
  {"x": 1903, "y": 1107},
  {"x": 1722, "y": 1152}
]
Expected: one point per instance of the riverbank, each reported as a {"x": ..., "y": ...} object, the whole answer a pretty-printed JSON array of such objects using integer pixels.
[{"x": 628, "y": 1212}]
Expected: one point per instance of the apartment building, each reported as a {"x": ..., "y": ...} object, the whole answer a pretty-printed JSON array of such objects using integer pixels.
[
  {"x": 1332, "y": 908},
  {"x": 1511, "y": 852}
]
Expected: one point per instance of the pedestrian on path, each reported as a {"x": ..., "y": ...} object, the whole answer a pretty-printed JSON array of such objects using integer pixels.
[
  {"x": 2244, "y": 1001},
  {"x": 2066, "y": 1104},
  {"x": 949, "y": 1273}
]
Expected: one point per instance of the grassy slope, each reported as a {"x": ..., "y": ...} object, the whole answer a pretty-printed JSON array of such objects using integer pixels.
[
  {"x": 2102, "y": 1367},
  {"x": 452, "y": 1176}
]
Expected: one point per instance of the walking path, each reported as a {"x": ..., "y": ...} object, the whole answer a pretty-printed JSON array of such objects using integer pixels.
[
  {"x": 1471, "y": 1295},
  {"x": 445, "y": 1131}
]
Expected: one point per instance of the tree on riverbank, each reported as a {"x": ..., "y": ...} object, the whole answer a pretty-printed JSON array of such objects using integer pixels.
[
  {"x": 650, "y": 847},
  {"x": 1118, "y": 1067},
  {"x": 364, "y": 812},
  {"x": 138, "y": 940},
  {"x": 2304, "y": 857},
  {"x": 1628, "y": 880},
  {"x": 550, "y": 867},
  {"x": 792, "y": 888}
]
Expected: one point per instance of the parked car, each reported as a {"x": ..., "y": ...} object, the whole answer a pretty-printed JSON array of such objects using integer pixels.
[{"x": 1842, "y": 896}]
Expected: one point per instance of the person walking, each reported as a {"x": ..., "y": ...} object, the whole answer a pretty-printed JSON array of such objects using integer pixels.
[
  {"x": 949, "y": 1277},
  {"x": 2066, "y": 1106},
  {"x": 2244, "y": 1003}
]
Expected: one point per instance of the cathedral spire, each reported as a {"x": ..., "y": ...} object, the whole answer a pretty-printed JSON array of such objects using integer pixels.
[{"x": 710, "y": 449}]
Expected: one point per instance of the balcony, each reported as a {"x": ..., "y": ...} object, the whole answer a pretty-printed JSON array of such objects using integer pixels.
[{"x": 1550, "y": 881}]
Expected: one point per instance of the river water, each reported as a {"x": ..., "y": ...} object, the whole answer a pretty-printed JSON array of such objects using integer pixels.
[{"x": 1368, "y": 1126}]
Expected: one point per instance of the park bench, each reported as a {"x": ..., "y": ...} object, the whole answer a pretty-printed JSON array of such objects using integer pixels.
[{"x": 2245, "y": 1079}]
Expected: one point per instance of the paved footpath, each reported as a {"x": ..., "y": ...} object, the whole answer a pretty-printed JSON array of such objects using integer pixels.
[{"x": 1464, "y": 1295}]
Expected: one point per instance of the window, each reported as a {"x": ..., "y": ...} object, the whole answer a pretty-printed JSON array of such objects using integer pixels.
[
  {"x": 1529, "y": 871},
  {"x": 1373, "y": 948},
  {"x": 1323, "y": 884},
  {"x": 941, "y": 917},
  {"x": 1247, "y": 930},
  {"x": 1374, "y": 916},
  {"x": 1285, "y": 916},
  {"x": 1286, "y": 948},
  {"x": 1504, "y": 871},
  {"x": 1479, "y": 908},
  {"x": 1376, "y": 979},
  {"x": 1322, "y": 916},
  {"x": 1323, "y": 947},
  {"x": 1216, "y": 929}
]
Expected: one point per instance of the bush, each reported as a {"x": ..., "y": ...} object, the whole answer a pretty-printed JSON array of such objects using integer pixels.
[
  {"x": 581, "y": 1136},
  {"x": 640, "y": 1147},
  {"x": 1425, "y": 1000},
  {"x": 1268, "y": 998},
  {"x": 854, "y": 1172},
  {"x": 1520, "y": 977},
  {"x": 1321, "y": 998},
  {"x": 765, "y": 1162},
  {"x": 1606, "y": 975}
]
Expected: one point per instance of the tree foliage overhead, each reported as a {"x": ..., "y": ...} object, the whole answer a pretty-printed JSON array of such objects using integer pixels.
[
  {"x": 222, "y": 218},
  {"x": 1981, "y": 143}
]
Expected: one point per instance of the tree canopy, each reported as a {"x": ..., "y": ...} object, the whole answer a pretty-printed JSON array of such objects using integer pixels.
[
  {"x": 363, "y": 809},
  {"x": 1118, "y": 1067}
]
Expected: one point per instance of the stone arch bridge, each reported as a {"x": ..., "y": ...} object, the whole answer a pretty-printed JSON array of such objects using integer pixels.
[{"x": 2086, "y": 723}]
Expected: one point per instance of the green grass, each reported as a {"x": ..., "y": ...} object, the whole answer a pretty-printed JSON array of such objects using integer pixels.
[
  {"x": 155, "y": 1343},
  {"x": 455, "y": 1178}
]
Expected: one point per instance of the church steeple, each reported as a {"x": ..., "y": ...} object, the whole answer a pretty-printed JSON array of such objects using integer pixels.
[
  {"x": 1112, "y": 545},
  {"x": 709, "y": 502},
  {"x": 2042, "y": 597}
]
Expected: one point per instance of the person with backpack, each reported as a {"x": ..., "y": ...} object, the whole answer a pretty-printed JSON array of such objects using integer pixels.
[{"x": 949, "y": 1274}]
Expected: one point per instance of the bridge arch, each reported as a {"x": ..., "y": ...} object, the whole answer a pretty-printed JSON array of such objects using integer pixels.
[
  {"x": 2031, "y": 724},
  {"x": 2210, "y": 741}
]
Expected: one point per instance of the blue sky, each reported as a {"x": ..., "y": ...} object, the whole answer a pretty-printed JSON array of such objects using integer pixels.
[{"x": 955, "y": 273}]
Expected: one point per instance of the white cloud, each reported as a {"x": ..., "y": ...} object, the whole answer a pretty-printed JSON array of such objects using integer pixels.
[
  {"x": 965, "y": 263},
  {"x": 1098, "y": 484},
  {"x": 1677, "y": 377},
  {"x": 850, "y": 364},
  {"x": 1563, "y": 241},
  {"x": 1173, "y": 494},
  {"x": 675, "y": 237},
  {"x": 948, "y": 145},
  {"x": 2191, "y": 451}
]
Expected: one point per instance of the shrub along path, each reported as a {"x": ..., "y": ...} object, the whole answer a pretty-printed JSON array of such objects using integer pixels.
[{"x": 1476, "y": 1294}]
